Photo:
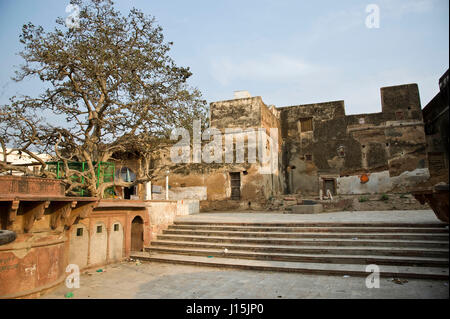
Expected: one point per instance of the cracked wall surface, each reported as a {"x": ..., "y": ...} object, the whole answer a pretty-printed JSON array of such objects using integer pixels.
[{"x": 318, "y": 145}]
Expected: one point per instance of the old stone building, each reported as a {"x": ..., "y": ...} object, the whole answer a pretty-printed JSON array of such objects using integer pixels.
[
  {"x": 320, "y": 150},
  {"x": 234, "y": 184},
  {"x": 436, "y": 119},
  {"x": 326, "y": 149}
]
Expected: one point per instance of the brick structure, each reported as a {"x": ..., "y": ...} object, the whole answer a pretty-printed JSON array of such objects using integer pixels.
[
  {"x": 53, "y": 231},
  {"x": 321, "y": 150}
]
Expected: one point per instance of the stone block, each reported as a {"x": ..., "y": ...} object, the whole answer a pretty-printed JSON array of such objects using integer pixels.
[
  {"x": 289, "y": 202},
  {"x": 306, "y": 209}
]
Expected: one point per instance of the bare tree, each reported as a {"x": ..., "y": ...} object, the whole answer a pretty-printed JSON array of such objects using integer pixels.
[{"x": 111, "y": 83}]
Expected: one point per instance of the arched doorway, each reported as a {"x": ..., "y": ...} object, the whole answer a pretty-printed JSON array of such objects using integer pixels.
[{"x": 137, "y": 234}]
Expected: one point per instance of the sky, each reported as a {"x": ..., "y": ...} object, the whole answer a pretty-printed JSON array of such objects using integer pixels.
[{"x": 289, "y": 52}]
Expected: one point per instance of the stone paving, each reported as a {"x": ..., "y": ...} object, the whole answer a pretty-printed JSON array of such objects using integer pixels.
[
  {"x": 164, "y": 281},
  {"x": 395, "y": 216},
  {"x": 167, "y": 281}
]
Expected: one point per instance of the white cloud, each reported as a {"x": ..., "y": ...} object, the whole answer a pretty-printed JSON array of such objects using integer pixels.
[
  {"x": 272, "y": 67},
  {"x": 398, "y": 8}
]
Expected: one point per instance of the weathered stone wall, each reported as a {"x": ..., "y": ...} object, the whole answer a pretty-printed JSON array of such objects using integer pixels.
[
  {"x": 37, "y": 258},
  {"x": 65, "y": 232},
  {"x": 116, "y": 241},
  {"x": 188, "y": 207},
  {"x": 245, "y": 114},
  {"x": 93, "y": 247},
  {"x": 306, "y": 153},
  {"x": 269, "y": 120},
  {"x": 21, "y": 185},
  {"x": 401, "y": 102},
  {"x": 237, "y": 113},
  {"x": 318, "y": 143},
  {"x": 381, "y": 182},
  {"x": 79, "y": 245},
  {"x": 32, "y": 263},
  {"x": 180, "y": 193},
  {"x": 161, "y": 214},
  {"x": 98, "y": 244},
  {"x": 340, "y": 145},
  {"x": 255, "y": 187},
  {"x": 436, "y": 118}
]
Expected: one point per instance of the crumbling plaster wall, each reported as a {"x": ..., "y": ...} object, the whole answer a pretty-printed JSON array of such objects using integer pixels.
[
  {"x": 341, "y": 145},
  {"x": 436, "y": 118},
  {"x": 336, "y": 146},
  {"x": 305, "y": 154},
  {"x": 216, "y": 179},
  {"x": 381, "y": 182},
  {"x": 244, "y": 114},
  {"x": 98, "y": 244},
  {"x": 237, "y": 113}
]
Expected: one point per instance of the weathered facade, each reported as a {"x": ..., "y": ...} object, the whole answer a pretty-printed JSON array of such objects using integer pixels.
[
  {"x": 436, "y": 118},
  {"x": 234, "y": 184},
  {"x": 321, "y": 150},
  {"x": 324, "y": 149},
  {"x": 54, "y": 231}
]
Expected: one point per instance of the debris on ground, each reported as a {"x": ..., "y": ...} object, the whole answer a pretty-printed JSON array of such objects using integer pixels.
[
  {"x": 346, "y": 276},
  {"x": 225, "y": 250},
  {"x": 99, "y": 270},
  {"x": 399, "y": 281},
  {"x": 210, "y": 256},
  {"x": 138, "y": 262},
  {"x": 69, "y": 295}
]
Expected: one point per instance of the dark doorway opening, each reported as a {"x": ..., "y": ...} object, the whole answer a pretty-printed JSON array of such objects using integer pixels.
[
  {"x": 137, "y": 234},
  {"x": 128, "y": 192},
  {"x": 235, "y": 180},
  {"x": 329, "y": 184}
]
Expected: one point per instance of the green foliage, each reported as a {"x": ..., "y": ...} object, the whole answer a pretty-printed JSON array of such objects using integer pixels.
[
  {"x": 109, "y": 85},
  {"x": 384, "y": 197},
  {"x": 363, "y": 199}
]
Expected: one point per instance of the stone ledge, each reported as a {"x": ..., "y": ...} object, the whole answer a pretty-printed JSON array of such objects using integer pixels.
[{"x": 306, "y": 209}]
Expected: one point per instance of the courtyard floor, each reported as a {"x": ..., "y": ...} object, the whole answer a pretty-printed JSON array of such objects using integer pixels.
[
  {"x": 393, "y": 216},
  {"x": 158, "y": 280}
]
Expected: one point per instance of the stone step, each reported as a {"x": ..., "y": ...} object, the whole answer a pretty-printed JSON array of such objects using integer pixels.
[
  {"x": 315, "y": 224},
  {"x": 298, "y": 267},
  {"x": 334, "y": 259},
  {"x": 333, "y": 250},
  {"x": 339, "y": 229},
  {"x": 309, "y": 241},
  {"x": 434, "y": 237}
]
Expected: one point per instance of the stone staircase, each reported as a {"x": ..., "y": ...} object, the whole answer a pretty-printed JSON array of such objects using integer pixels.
[{"x": 401, "y": 250}]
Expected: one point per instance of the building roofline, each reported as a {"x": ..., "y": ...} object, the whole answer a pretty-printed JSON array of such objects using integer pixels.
[
  {"x": 245, "y": 98},
  {"x": 309, "y": 104}
]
